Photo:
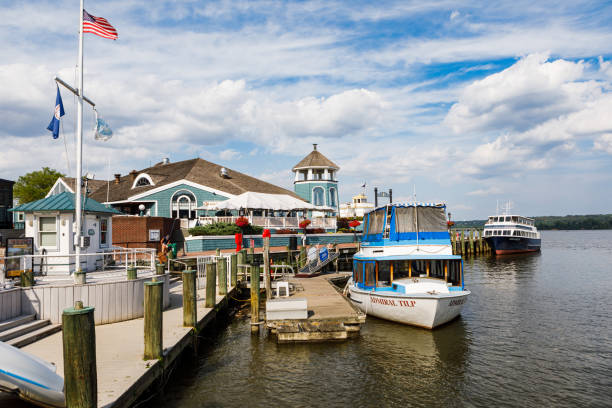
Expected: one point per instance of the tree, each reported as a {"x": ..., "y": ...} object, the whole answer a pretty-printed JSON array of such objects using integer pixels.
[{"x": 35, "y": 185}]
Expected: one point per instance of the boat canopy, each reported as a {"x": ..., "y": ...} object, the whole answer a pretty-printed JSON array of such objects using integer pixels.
[{"x": 407, "y": 222}]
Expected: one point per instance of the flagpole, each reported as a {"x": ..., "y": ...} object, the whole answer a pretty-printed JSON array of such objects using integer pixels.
[{"x": 78, "y": 278}]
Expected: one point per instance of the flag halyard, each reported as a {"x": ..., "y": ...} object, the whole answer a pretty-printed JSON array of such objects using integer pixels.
[{"x": 98, "y": 26}]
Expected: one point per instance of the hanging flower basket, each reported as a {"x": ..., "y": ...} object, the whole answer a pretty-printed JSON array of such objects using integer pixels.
[
  {"x": 450, "y": 223},
  {"x": 354, "y": 224},
  {"x": 242, "y": 222},
  {"x": 304, "y": 224}
]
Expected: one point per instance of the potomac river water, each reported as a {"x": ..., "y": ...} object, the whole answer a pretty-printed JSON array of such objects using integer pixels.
[{"x": 536, "y": 331}]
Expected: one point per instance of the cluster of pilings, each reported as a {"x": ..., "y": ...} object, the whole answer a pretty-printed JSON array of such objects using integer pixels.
[{"x": 469, "y": 242}]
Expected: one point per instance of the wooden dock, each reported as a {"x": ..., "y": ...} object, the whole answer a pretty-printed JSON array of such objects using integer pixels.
[
  {"x": 123, "y": 374},
  {"x": 330, "y": 315}
]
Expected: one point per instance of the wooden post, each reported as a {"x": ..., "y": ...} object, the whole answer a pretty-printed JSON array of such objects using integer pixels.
[
  {"x": 266, "y": 259},
  {"x": 288, "y": 255},
  {"x": 79, "y": 342},
  {"x": 27, "y": 278},
  {"x": 131, "y": 273},
  {"x": 159, "y": 268},
  {"x": 211, "y": 284},
  {"x": 222, "y": 273},
  {"x": 251, "y": 257},
  {"x": 218, "y": 252},
  {"x": 242, "y": 261},
  {"x": 428, "y": 263},
  {"x": 302, "y": 261},
  {"x": 153, "y": 319},
  {"x": 189, "y": 298},
  {"x": 234, "y": 272},
  {"x": 254, "y": 298}
]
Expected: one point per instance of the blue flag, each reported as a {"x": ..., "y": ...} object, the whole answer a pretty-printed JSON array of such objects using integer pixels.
[{"x": 59, "y": 112}]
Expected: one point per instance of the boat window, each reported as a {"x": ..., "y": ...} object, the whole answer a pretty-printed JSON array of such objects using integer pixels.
[
  {"x": 507, "y": 232},
  {"x": 454, "y": 271},
  {"x": 515, "y": 233},
  {"x": 376, "y": 222},
  {"x": 370, "y": 275},
  {"x": 384, "y": 273},
  {"x": 358, "y": 272},
  {"x": 431, "y": 219},
  {"x": 436, "y": 269},
  {"x": 401, "y": 269},
  {"x": 405, "y": 220},
  {"x": 514, "y": 219}
]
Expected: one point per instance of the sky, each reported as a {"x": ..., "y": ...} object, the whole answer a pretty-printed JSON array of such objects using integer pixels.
[{"x": 470, "y": 103}]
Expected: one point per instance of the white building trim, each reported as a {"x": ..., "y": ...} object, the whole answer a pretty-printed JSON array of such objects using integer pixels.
[
  {"x": 174, "y": 184},
  {"x": 59, "y": 181},
  {"x": 141, "y": 176}
]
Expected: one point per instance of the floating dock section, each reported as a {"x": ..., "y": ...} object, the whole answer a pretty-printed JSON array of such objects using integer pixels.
[{"x": 316, "y": 310}]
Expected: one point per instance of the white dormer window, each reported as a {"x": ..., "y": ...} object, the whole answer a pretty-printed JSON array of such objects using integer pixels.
[{"x": 143, "y": 179}]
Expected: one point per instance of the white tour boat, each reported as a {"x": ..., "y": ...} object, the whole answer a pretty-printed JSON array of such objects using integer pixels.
[{"x": 405, "y": 270}]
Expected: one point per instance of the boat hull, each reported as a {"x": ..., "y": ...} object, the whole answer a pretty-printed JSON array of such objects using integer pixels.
[
  {"x": 422, "y": 310},
  {"x": 513, "y": 245}
]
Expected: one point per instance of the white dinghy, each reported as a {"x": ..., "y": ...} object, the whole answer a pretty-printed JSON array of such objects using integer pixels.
[{"x": 31, "y": 378}]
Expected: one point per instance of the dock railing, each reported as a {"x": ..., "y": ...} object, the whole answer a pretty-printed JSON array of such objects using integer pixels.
[
  {"x": 276, "y": 222},
  {"x": 107, "y": 260}
]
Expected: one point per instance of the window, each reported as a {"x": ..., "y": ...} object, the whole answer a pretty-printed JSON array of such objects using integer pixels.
[
  {"x": 143, "y": 182},
  {"x": 47, "y": 233},
  {"x": 318, "y": 196},
  {"x": 370, "y": 274},
  {"x": 332, "y": 197},
  {"x": 103, "y": 231},
  {"x": 384, "y": 273},
  {"x": 183, "y": 205}
]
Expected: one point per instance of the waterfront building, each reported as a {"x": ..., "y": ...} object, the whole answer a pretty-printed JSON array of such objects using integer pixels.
[
  {"x": 357, "y": 208},
  {"x": 174, "y": 190},
  {"x": 50, "y": 223},
  {"x": 316, "y": 182}
]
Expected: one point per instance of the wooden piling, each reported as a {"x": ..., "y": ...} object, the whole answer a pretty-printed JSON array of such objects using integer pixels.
[
  {"x": 160, "y": 268},
  {"x": 222, "y": 273},
  {"x": 288, "y": 255},
  {"x": 131, "y": 273},
  {"x": 242, "y": 261},
  {"x": 266, "y": 259},
  {"x": 79, "y": 343},
  {"x": 302, "y": 259},
  {"x": 211, "y": 284},
  {"x": 234, "y": 271},
  {"x": 189, "y": 298},
  {"x": 153, "y": 319},
  {"x": 218, "y": 252},
  {"x": 254, "y": 298},
  {"x": 251, "y": 256},
  {"x": 27, "y": 278}
]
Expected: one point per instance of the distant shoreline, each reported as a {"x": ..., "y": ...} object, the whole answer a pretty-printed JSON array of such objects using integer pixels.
[{"x": 567, "y": 222}]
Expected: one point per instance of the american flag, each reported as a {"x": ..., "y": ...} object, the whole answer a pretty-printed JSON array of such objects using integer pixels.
[{"x": 98, "y": 26}]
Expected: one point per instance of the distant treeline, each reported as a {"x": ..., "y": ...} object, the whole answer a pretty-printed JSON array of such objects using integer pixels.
[{"x": 568, "y": 222}]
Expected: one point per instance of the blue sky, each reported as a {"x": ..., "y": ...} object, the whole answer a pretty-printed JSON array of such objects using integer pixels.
[{"x": 466, "y": 102}]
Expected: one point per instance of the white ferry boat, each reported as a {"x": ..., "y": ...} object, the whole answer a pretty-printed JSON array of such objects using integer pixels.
[
  {"x": 511, "y": 234},
  {"x": 405, "y": 270}
]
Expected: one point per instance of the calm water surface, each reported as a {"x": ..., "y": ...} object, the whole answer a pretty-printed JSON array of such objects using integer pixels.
[{"x": 536, "y": 331}]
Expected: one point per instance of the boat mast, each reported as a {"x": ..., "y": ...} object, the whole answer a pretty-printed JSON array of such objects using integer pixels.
[{"x": 79, "y": 150}]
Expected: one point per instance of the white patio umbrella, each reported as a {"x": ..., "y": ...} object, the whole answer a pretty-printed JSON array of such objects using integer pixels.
[{"x": 263, "y": 201}]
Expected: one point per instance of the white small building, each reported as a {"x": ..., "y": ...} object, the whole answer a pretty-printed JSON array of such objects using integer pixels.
[
  {"x": 357, "y": 208},
  {"x": 51, "y": 223}
]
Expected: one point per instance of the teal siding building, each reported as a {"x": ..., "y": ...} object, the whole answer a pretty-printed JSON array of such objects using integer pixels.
[{"x": 316, "y": 181}]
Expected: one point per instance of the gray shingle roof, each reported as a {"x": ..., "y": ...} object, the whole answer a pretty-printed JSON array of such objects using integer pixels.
[
  {"x": 316, "y": 159},
  {"x": 198, "y": 171}
]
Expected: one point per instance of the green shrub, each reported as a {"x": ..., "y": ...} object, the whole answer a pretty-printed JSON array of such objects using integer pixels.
[{"x": 223, "y": 228}]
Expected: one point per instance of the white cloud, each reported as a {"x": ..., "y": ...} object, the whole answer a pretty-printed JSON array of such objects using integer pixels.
[
  {"x": 485, "y": 192},
  {"x": 604, "y": 143},
  {"x": 454, "y": 15},
  {"x": 229, "y": 154}
]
